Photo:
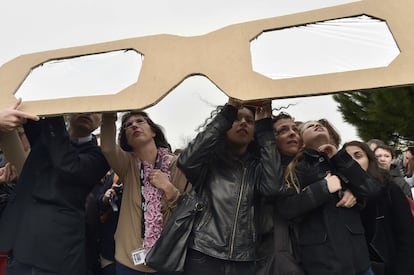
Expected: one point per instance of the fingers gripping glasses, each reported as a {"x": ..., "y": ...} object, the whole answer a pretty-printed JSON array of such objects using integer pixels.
[{"x": 224, "y": 57}]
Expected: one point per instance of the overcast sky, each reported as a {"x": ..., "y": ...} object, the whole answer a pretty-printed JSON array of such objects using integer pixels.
[{"x": 33, "y": 26}]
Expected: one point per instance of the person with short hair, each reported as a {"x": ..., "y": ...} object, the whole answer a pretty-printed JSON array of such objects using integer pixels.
[
  {"x": 385, "y": 158},
  {"x": 43, "y": 225}
]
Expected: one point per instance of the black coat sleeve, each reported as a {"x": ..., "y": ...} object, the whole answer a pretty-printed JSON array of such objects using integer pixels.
[
  {"x": 402, "y": 223},
  {"x": 87, "y": 166},
  {"x": 271, "y": 171}
]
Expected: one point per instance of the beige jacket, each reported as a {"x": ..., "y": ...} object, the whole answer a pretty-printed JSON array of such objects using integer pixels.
[{"x": 128, "y": 232}]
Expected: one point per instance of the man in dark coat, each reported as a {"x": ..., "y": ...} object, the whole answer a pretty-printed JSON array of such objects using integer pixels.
[{"x": 43, "y": 225}]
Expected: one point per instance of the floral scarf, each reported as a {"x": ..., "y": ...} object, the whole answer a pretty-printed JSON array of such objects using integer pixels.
[{"x": 153, "y": 218}]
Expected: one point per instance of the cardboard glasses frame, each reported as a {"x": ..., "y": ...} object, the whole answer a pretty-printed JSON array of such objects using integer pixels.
[{"x": 223, "y": 56}]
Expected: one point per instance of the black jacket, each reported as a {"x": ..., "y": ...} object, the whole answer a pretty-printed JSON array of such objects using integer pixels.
[
  {"x": 399, "y": 180},
  {"x": 44, "y": 224},
  {"x": 227, "y": 228},
  {"x": 331, "y": 238},
  {"x": 389, "y": 230},
  {"x": 109, "y": 218}
]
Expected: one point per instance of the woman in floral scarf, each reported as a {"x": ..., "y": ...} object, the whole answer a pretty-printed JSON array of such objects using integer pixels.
[{"x": 152, "y": 185}]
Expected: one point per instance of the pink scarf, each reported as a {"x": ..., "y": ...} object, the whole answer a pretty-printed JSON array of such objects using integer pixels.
[{"x": 153, "y": 218}]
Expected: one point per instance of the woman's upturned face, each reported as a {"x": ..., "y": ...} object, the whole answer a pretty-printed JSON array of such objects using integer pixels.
[
  {"x": 358, "y": 155},
  {"x": 384, "y": 158},
  {"x": 137, "y": 130},
  {"x": 314, "y": 133},
  {"x": 287, "y": 137},
  {"x": 242, "y": 130}
]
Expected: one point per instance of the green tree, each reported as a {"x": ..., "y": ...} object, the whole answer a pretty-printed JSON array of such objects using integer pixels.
[{"x": 385, "y": 113}]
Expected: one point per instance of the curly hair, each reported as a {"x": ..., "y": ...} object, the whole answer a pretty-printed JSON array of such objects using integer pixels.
[{"x": 281, "y": 115}]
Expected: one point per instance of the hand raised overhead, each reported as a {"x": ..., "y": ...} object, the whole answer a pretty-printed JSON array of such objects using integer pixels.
[{"x": 11, "y": 118}]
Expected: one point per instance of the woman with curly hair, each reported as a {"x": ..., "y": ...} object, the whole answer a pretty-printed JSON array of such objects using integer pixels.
[{"x": 233, "y": 162}]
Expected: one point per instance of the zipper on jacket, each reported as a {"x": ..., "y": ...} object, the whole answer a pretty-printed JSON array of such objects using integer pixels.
[{"x": 237, "y": 212}]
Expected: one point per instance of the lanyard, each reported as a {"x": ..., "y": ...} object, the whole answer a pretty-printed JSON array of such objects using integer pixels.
[{"x": 143, "y": 202}]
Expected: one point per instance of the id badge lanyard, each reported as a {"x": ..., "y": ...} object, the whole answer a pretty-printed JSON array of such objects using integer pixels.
[{"x": 138, "y": 255}]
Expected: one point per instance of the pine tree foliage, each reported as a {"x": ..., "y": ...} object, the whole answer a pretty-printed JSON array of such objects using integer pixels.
[{"x": 386, "y": 113}]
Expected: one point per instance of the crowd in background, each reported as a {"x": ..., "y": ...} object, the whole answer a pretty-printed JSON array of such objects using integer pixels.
[{"x": 284, "y": 197}]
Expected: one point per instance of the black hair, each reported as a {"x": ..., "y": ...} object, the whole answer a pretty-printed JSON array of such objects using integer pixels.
[
  {"x": 282, "y": 115},
  {"x": 373, "y": 169},
  {"x": 216, "y": 111}
]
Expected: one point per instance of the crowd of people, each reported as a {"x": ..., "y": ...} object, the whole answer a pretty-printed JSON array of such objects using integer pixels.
[{"x": 283, "y": 196}]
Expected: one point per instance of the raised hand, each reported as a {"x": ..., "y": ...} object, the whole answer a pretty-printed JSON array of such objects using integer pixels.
[{"x": 11, "y": 118}]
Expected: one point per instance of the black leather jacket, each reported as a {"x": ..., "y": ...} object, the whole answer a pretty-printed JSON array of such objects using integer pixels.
[{"x": 232, "y": 186}]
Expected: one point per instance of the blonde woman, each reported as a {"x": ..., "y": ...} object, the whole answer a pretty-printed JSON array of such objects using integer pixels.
[{"x": 331, "y": 238}]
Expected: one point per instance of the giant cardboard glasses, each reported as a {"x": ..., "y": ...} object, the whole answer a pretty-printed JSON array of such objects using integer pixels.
[{"x": 223, "y": 56}]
